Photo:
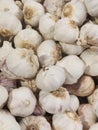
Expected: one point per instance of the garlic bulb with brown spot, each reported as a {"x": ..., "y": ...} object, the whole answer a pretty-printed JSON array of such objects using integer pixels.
[
  {"x": 34, "y": 123},
  {"x": 32, "y": 12},
  {"x": 21, "y": 102},
  {"x": 48, "y": 53},
  {"x": 67, "y": 121},
  {"x": 55, "y": 101},
  {"x": 94, "y": 127}
]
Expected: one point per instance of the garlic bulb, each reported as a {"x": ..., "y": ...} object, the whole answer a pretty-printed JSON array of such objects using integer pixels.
[
  {"x": 21, "y": 63},
  {"x": 34, "y": 123},
  {"x": 56, "y": 101},
  {"x": 32, "y": 12},
  {"x": 3, "y": 96},
  {"x": 71, "y": 49},
  {"x": 27, "y": 38},
  {"x": 84, "y": 87},
  {"x": 75, "y": 10},
  {"x": 47, "y": 31},
  {"x": 48, "y": 53},
  {"x": 94, "y": 127},
  {"x": 73, "y": 66},
  {"x": 21, "y": 102},
  {"x": 66, "y": 31},
  {"x": 7, "y": 121},
  {"x": 67, "y": 121},
  {"x": 23, "y": 1},
  {"x": 50, "y": 78},
  {"x": 9, "y": 24},
  {"x": 95, "y": 107}
]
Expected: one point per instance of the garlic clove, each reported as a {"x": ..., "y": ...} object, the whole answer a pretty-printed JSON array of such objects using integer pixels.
[{"x": 94, "y": 127}]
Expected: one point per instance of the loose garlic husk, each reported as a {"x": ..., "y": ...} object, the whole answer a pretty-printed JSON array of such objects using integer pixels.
[
  {"x": 71, "y": 49},
  {"x": 47, "y": 31},
  {"x": 21, "y": 102},
  {"x": 9, "y": 24},
  {"x": 7, "y": 121},
  {"x": 3, "y": 96},
  {"x": 56, "y": 101},
  {"x": 75, "y": 10},
  {"x": 50, "y": 78},
  {"x": 94, "y": 127},
  {"x": 48, "y": 53},
  {"x": 66, "y": 121},
  {"x": 21, "y": 63},
  {"x": 10, "y": 6},
  {"x": 32, "y": 12},
  {"x": 27, "y": 38},
  {"x": 66, "y": 31},
  {"x": 35, "y": 123},
  {"x": 84, "y": 87},
  {"x": 73, "y": 66}
]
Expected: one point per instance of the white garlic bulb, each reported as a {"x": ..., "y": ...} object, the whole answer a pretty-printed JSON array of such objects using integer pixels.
[
  {"x": 66, "y": 121},
  {"x": 3, "y": 96},
  {"x": 56, "y": 101},
  {"x": 73, "y": 66},
  {"x": 71, "y": 49},
  {"x": 9, "y": 24},
  {"x": 32, "y": 12},
  {"x": 7, "y": 121},
  {"x": 27, "y": 38},
  {"x": 48, "y": 53},
  {"x": 50, "y": 78},
  {"x": 21, "y": 102},
  {"x": 23, "y": 1},
  {"x": 47, "y": 31},
  {"x": 75, "y": 10},
  {"x": 66, "y": 31},
  {"x": 35, "y": 123},
  {"x": 94, "y": 127}
]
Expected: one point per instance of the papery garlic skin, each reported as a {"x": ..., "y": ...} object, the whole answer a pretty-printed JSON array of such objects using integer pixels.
[
  {"x": 9, "y": 24},
  {"x": 27, "y": 38},
  {"x": 21, "y": 102},
  {"x": 7, "y": 121},
  {"x": 23, "y": 1},
  {"x": 3, "y": 96},
  {"x": 66, "y": 31},
  {"x": 35, "y": 122},
  {"x": 73, "y": 66},
  {"x": 48, "y": 53},
  {"x": 32, "y": 12},
  {"x": 56, "y": 101},
  {"x": 75, "y": 10},
  {"x": 47, "y": 31},
  {"x": 94, "y": 127},
  {"x": 66, "y": 121},
  {"x": 50, "y": 78}
]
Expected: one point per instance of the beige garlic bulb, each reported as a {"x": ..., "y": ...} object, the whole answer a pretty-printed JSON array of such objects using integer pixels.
[
  {"x": 66, "y": 121},
  {"x": 75, "y": 10},
  {"x": 34, "y": 123},
  {"x": 21, "y": 102},
  {"x": 66, "y": 31},
  {"x": 56, "y": 101},
  {"x": 94, "y": 127},
  {"x": 27, "y": 38},
  {"x": 9, "y": 24},
  {"x": 95, "y": 107},
  {"x": 47, "y": 31},
  {"x": 50, "y": 78},
  {"x": 73, "y": 66},
  {"x": 32, "y": 12},
  {"x": 7, "y": 121},
  {"x": 48, "y": 53},
  {"x": 84, "y": 87}
]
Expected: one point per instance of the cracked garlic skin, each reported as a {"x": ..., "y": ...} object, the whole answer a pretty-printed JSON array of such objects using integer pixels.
[
  {"x": 10, "y": 25},
  {"x": 3, "y": 96},
  {"x": 94, "y": 127},
  {"x": 21, "y": 102},
  {"x": 50, "y": 78},
  {"x": 66, "y": 121},
  {"x": 35, "y": 123},
  {"x": 55, "y": 101},
  {"x": 32, "y": 12},
  {"x": 27, "y": 38},
  {"x": 66, "y": 30},
  {"x": 48, "y": 53}
]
